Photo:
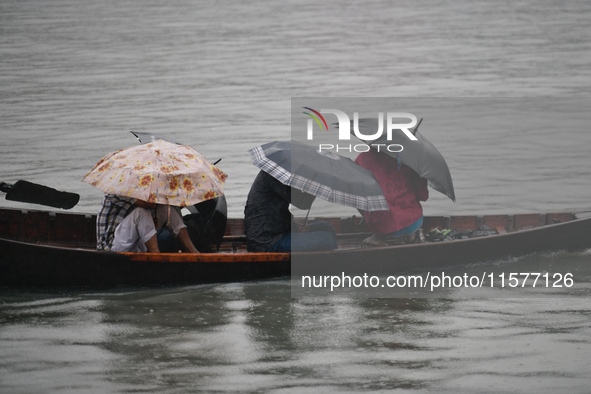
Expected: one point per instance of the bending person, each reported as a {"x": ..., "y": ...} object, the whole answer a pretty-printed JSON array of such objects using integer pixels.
[
  {"x": 130, "y": 225},
  {"x": 404, "y": 190},
  {"x": 269, "y": 225}
]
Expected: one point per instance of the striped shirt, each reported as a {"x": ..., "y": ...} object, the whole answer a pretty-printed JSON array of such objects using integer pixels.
[{"x": 113, "y": 210}]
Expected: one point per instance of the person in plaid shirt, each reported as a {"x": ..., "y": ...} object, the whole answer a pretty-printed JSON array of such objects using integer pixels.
[
  {"x": 113, "y": 210},
  {"x": 127, "y": 224}
]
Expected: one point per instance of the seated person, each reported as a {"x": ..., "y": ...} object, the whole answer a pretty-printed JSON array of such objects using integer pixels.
[
  {"x": 130, "y": 225},
  {"x": 404, "y": 190},
  {"x": 269, "y": 224}
]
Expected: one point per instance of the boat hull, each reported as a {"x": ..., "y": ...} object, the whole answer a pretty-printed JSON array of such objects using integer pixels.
[
  {"x": 573, "y": 235},
  {"x": 24, "y": 264},
  {"x": 56, "y": 249}
]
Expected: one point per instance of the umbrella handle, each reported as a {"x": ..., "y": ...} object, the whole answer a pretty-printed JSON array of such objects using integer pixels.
[
  {"x": 305, "y": 224},
  {"x": 306, "y": 218}
]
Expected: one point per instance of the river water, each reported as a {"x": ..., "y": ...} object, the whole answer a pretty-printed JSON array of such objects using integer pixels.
[{"x": 77, "y": 76}]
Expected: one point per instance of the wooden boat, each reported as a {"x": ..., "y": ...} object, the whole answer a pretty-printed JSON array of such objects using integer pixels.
[{"x": 43, "y": 248}]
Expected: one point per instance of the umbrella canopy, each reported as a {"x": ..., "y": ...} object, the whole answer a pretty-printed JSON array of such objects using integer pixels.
[
  {"x": 421, "y": 155},
  {"x": 160, "y": 172},
  {"x": 206, "y": 222},
  {"x": 332, "y": 177},
  {"x": 144, "y": 138}
]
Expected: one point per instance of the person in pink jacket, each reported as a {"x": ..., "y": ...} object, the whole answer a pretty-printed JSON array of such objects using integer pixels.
[{"x": 404, "y": 190}]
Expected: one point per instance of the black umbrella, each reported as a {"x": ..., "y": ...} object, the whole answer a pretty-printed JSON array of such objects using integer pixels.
[{"x": 420, "y": 155}]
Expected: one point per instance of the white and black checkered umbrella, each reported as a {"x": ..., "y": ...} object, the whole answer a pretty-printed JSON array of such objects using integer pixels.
[{"x": 331, "y": 177}]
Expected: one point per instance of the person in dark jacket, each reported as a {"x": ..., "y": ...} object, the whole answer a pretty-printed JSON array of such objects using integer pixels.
[
  {"x": 269, "y": 224},
  {"x": 404, "y": 190}
]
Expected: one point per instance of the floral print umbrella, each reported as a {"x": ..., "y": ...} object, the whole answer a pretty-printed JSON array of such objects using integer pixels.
[{"x": 159, "y": 172}]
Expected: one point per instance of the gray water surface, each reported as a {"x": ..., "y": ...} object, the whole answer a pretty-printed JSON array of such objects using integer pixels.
[{"x": 77, "y": 76}]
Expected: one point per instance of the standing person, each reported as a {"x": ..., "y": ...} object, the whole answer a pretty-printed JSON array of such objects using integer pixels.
[
  {"x": 404, "y": 190},
  {"x": 131, "y": 225},
  {"x": 269, "y": 224}
]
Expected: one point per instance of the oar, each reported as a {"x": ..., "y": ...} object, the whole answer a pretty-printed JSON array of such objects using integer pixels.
[{"x": 24, "y": 191}]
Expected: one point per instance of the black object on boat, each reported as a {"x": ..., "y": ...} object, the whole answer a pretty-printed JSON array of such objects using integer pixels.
[
  {"x": 206, "y": 224},
  {"x": 24, "y": 191}
]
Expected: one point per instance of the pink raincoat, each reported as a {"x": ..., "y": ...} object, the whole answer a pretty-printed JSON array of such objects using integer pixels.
[{"x": 403, "y": 189}]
